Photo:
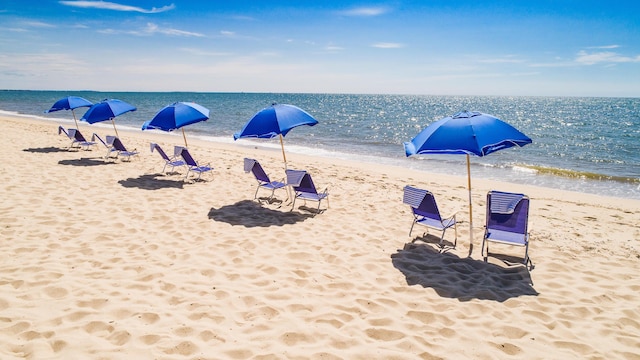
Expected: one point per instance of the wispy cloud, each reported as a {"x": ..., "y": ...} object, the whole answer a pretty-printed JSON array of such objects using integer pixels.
[
  {"x": 387, "y": 45},
  {"x": 606, "y": 57},
  {"x": 115, "y": 6},
  {"x": 604, "y": 47},
  {"x": 365, "y": 11},
  {"x": 333, "y": 48},
  {"x": 153, "y": 29},
  {"x": 200, "y": 52},
  {"x": 502, "y": 60},
  {"x": 37, "y": 24}
]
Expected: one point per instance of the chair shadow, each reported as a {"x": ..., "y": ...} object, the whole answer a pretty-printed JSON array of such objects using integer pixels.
[
  {"x": 249, "y": 213},
  {"x": 461, "y": 278},
  {"x": 86, "y": 162},
  {"x": 431, "y": 239},
  {"x": 45, "y": 150},
  {"x": 151, "y": 182}
]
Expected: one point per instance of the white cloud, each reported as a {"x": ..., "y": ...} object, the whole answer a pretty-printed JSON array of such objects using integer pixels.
[
  {"x": 114, "y": 6},
  {"x": 152, "y": 29},
  {"x": 604, "y": 47},
  {"x": 364, "y": 11},
  {"x": 386, "y": 45},
  {"x": 608, "y": 57},
  {"x": 199, "y": 52},
  {"x": 38, "y": 24},
  {"x": 504, "y": 60},
  {"x": 333, "y": 48}
]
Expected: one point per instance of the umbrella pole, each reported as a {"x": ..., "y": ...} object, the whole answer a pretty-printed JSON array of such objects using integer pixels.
[
  {"x": 74, "y": 118},
  {"x": 289, "y": 197},
  {"x": 470, "y": 207},
  {"x": 114, "y": 127},
  {"x": 283, "y": 155},
  {"x": 185, "y": 138}
]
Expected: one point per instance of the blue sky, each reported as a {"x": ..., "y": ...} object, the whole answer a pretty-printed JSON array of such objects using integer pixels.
[{"x": 536, "y": 47}]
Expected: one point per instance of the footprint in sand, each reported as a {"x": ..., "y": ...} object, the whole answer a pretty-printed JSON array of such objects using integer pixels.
[{"x": 56, "y": 292}]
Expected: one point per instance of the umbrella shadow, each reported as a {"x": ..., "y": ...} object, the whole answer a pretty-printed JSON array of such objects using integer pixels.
[
  {"x": 251, "y": 214},
  {"x": 46, "y": 150},
  {"x": 85, "y": 162},
  {"x": 461, "y": 278},
  {"x": 151, "y": 182}
]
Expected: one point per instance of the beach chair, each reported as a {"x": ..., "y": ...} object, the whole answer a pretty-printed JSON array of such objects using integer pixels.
[
  {"x": 507, "y": 222},
  {"x": 425, "y": 212},
  {"x": 120, "y": 149},
  {"x": 303, "y": 188},
  {"x": 77, "y": 139},
  {"x": 192, "y": 165},
  {"x": 108, "y": 146},
  {"x": 168, "y": 161},
  {"x": 253, "y": 166}
]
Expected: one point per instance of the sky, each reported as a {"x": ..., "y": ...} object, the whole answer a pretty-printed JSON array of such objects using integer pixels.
[{"x": 504, "y": 48}]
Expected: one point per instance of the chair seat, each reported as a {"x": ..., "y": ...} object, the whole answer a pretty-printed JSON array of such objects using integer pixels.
[
  {"x": 201, "y": 169},
  {"x": 440, "y": 225},
  {"x": 506, "y": 237},
  {"x": 311, "y": 196},
  {"x": 273, "y": 185}
]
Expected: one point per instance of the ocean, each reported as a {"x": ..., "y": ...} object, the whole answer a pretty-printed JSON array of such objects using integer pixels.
[{"x": 589, "y": 145}]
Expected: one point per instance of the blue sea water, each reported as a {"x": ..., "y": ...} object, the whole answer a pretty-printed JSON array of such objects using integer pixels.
[{"x": 589, "y": 145}]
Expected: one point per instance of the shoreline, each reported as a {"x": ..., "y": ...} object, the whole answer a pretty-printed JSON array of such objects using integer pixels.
[
  {"x": 115, "y": 260},
  {"x": 538, "y": 176}
]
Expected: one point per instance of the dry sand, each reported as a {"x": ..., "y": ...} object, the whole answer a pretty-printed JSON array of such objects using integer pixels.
[{"x": 112, "y": 260}]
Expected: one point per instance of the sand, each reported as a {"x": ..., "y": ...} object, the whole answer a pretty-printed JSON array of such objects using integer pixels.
[{"x": 114, "y": 260}]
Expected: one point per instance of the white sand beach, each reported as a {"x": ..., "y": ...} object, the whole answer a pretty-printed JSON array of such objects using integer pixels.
[{"x": 113, "y": 260}]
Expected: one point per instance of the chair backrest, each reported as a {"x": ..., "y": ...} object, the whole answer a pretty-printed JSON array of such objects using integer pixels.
[
  {"x": 117, "y": 144},
  {"x": 177, "y": 150},
  {"x": 511, "y": 214},
  {"x": 301, "y": 181},
  {"x": 107, "y": 143},
  {"x": 76, "y": 134},
  {"x": 187, "y": 157},
  {"x": 252, "y": 165},
  {"x": 422, "y": 202},
  {"x": 62, "y": 130},
  {"x": 157, "y": 147}
]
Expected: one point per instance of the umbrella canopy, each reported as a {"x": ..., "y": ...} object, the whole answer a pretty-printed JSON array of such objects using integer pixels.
[
  {"x": 276, "y": 120},
  {"x": 70, "y": 103},
  {"x": 467, "y": 133},
  {"x": 107, "y": 109},
  {"x": 176, "y": 116}
]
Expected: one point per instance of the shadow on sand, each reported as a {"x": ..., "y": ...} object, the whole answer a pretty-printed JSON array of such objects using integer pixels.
[
  {"x": 151, "y": 182},
  {"x": 461, "y": 278},
  {"x": 251, "y": 214},
  {"x": 86, "y": 162},
  {"x": 46, "y": 150}
]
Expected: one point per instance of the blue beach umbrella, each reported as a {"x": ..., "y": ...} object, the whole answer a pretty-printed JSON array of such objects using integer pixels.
[
  {"x": 176, "y": 116},
  {"x": 276, "y": 120},
  {"x": 466, "y": 133},
  {"x": 70, "y": 103},
  {"x": 107, "y": 109}
]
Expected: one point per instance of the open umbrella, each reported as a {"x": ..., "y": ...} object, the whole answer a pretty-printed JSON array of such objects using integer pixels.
[
  {"x": 276, "y": 120},
  {"x": 107, "y": 109},
  {"x": 70, "y": 103},
  {"x": 176, "y": 116},
  {"x": 467, "y": 133}
]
